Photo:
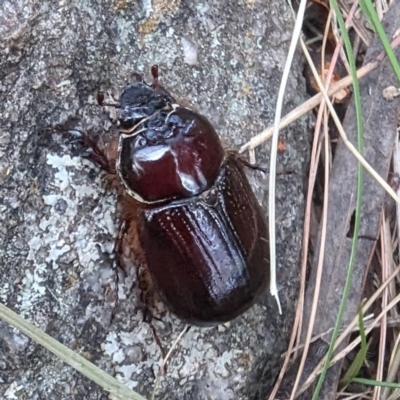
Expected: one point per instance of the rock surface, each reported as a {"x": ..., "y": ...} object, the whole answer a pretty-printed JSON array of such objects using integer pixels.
[{"x": 57, "y": 218}]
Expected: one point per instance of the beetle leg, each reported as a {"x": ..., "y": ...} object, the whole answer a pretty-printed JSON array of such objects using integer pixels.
[
  {"x": 97, "y": 155},
  {"x": 117, "y": 263},
  {"x": 145, "y": 287},
  {"x": 99, "y": 158},
  {"x": 157, "y": 339},
  {"x": 248, "y": 164},
  {"x": 122, "y": 229},
  {"x": 148, "y": 317}
]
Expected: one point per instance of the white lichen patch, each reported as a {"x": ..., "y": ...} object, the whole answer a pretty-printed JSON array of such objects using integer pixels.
[
  {"x": 190, "y": 51},
  {"x": 215, "y": 34},
  {"x": 124, "y": 373},
  {"x": 33, "y": 287},
  {"x": 71, "y": 232},
  {"x": 4, "y": 290},
  {"x": 123, "y": 346},
  {"x": 11, "y": 392},
  {"x": 223, "y": 362}
]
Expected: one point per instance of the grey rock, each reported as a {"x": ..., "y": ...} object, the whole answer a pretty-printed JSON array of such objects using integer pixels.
[{"x": 58, "y": 217}]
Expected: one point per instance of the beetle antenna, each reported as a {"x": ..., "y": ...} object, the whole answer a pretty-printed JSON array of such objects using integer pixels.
[{"x": 154, "y": 73}]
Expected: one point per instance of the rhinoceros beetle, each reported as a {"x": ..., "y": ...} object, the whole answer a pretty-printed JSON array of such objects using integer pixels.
[{"x": 201, "y": 230}]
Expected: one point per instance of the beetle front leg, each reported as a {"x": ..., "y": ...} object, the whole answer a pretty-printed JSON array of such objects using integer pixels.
[{"x": 97, "y": 155}]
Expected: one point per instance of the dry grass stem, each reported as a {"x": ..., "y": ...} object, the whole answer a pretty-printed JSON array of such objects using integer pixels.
[
  {"x": 297, "y": 327},
  {"x": 315, "y": 100},
  {"x": 358, "y": 396},
  {"x": 307, "y": 106},
  {"x": 343, "y": 135},
  {"x": 328, "y": 331},
  {"x": 321, "y": 252},
  {"x": 349, "y": 348},
  {"x": 388, "y": 317},
  {"x": 385, "y": 247},
  {"x": 165, "y": 360},
  {"x": 396, "y": 170},
  {"x": 394, "y": 366},
  {"x": 323, "y": 112},
  {"x": 363, "y": 33}
]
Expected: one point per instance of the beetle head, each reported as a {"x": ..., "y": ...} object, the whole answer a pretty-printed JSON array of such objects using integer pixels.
[{"x": 137, "y": 102}]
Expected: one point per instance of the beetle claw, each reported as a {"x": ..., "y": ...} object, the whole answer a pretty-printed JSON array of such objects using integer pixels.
[{"x": 252, "y": 166}]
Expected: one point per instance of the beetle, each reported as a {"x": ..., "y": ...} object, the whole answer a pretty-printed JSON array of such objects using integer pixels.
[{"x": 200, "y": 227}]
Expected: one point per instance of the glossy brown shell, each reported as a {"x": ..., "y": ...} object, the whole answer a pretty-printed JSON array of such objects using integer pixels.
[
  {"x": 174, "y": 154},
  {"x": 209, "y": 254}
]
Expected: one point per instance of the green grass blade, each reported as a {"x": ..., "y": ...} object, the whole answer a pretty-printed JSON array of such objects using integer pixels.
[
  {"x": 370, "y": 382},
  {"x": 85, "y": 367},
  {"x": 370, "y": 13},
  {"x": 357, "y": 102},
  {"x": 358, "y": 361}
]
